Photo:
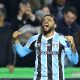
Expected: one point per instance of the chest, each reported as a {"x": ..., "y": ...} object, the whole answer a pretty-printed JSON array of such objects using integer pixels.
[{"x": 50, "y": 46}]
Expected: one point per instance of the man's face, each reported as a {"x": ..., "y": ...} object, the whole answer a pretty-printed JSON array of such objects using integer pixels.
[
  {"x": 60, "y": 2},
  {"x": 48, "y": 24},
  {"x": 25, "y": 8},
  {"x": 28, "y": 8},
  {"x": 70, "y": 18},
  {"x": 46, "y": 10}
]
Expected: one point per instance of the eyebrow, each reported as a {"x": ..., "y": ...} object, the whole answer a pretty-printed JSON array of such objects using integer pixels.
[{"x": 48, "y": 18}]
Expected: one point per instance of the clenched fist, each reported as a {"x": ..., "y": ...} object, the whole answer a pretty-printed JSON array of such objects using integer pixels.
[
  {"x": 71, "y": 41},
  {"x": 16, "y": 34}
]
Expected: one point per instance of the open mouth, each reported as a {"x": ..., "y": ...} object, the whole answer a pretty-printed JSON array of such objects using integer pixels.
[{"x": 46, "y": 25}]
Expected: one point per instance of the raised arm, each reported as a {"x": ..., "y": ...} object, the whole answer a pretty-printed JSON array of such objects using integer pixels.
[
  {"x": 70, "y": 50},
  {"x": 22, "y": 51}
]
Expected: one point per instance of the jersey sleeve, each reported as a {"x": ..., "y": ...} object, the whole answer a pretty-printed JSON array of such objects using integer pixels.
[
  {"x": 73, "y": 57},
  {"x": 23, "y": 51}
]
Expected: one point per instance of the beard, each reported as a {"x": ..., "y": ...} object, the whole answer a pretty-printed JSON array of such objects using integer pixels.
[{"x": 48, "y": 31}]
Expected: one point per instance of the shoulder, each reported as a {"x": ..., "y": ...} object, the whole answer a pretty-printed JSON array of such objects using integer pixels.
[
  {"x": 34, "y": 38},
  {"x": 62, "y": 39}
]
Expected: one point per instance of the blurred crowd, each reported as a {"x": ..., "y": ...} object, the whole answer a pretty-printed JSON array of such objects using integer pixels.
[{"x": 26, "y": 17}]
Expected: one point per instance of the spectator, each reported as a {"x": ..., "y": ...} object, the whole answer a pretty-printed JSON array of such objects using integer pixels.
[
  {"x": 41, "y": 13},
  {"x": 11, "y": 7},
  {"x": 36, "y": 4},
  {"x": 41, "y": 3},
  {"x": 47, "y": 2},
  {"x": 76, "y": 4},
  {"x": 25, "y": 16},
  {"x": 57, "y": 8},
  {"x": 46, "y": 10},
  {"x": 6, "y": 53},
  {"x": 68, "y": 25}
]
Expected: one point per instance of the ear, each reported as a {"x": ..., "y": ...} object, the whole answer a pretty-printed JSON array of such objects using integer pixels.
[{"x": 55, "y": 26}]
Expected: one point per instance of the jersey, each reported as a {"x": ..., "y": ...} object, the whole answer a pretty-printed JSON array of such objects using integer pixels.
[{"x": 50, "y": 54}]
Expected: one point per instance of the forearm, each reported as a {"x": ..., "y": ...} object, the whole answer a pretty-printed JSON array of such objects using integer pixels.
[
  {"x": 72, "y": 44},
  {"x": 22, "y": 51},
  {"x": 17, "y": 41},
  {"x": 73, "y": 56},
  {"x": 32, "y": 17}
]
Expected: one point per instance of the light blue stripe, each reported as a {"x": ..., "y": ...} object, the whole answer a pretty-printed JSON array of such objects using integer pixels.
[
  {"x": 22, "y": 51},
  {"x": 55, "y": 58},
  {"x": 31, "y": 40},
  {"x": 43, "y": 59}
]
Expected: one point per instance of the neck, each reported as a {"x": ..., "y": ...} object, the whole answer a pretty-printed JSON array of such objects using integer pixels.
[{"x": 49, "y": 34}]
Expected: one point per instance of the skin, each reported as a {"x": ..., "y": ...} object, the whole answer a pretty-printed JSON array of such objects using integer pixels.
[
  {"x": 48, "y": 28},
  {"x": 2, "y": 21},
  {"x": 70, "y": 18},
  {"x": 71, "y": 41},
  {"x": 25, "y": 9},
  {"x": 46, "y": 10},
  {"x": 28, "y": 11}
]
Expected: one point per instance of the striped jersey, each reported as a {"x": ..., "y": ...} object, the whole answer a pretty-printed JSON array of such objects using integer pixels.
[{"x": 50, "y": 55}]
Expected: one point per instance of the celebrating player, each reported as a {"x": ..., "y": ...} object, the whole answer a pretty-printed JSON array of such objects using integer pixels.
[{"x": 50, "y": 48}]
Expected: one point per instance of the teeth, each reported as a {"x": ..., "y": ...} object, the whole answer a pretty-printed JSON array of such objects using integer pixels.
[{"x": 46, "y": 24}]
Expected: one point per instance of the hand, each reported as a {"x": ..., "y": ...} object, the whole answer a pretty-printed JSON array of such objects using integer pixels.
[
  {"x": 28, "y": 10},
  {"x": 71, "y": 41},
  {"x": 22, "y": 9},
  {"x": 16, "y": 34},
  {"x": 11, "y": 68},
  {"x": 30, "y": 15}
]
